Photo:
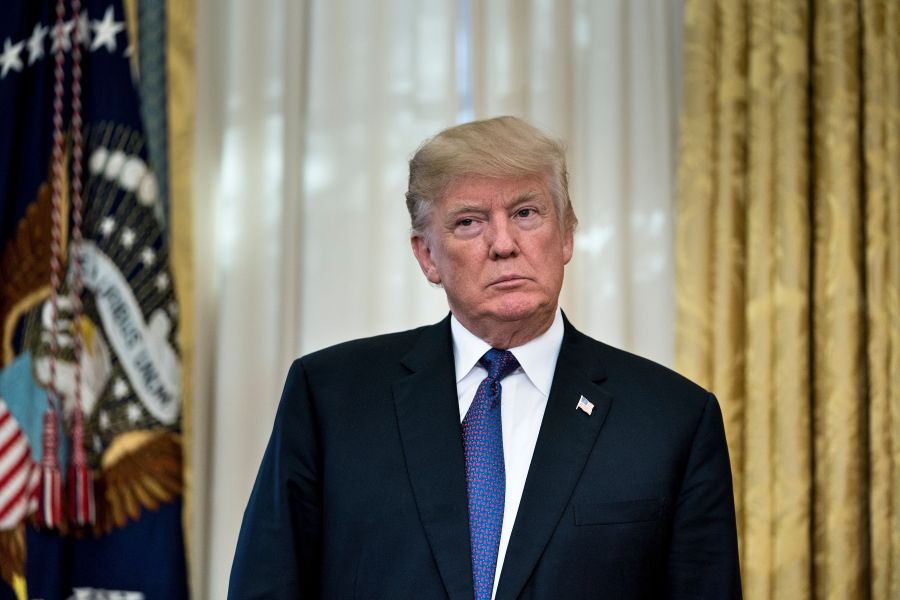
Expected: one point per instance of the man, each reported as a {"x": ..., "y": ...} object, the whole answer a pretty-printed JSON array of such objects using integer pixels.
[{"x": 499, "y": 452}]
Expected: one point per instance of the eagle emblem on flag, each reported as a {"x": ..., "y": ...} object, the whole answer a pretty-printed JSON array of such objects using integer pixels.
[{"x": 90, "y": 363}]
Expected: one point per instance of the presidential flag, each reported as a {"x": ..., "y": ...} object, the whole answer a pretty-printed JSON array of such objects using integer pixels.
[{"x": 90, "y": 368}]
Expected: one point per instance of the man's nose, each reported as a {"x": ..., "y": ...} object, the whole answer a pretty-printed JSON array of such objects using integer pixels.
[{"x": 502, "y": 239}]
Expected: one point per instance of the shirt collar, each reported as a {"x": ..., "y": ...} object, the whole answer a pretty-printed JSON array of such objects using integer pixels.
[{"x": 537, "y": 358}]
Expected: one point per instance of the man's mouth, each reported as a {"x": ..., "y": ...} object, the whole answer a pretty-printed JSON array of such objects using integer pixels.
[{"x": 508, "y": 281}]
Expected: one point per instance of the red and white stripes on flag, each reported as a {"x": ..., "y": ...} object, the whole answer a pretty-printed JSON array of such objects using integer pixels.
[{"x": 19, "y": 474}]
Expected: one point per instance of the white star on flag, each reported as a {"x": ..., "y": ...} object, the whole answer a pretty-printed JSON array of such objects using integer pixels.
[
  {"x": 105, "y": 31},
  {"x": 10, "y": 58},
  {"x": 134, "y": 412},
  {"x": 162, "y": 281},
  {"x": 120, "y": 388},
  {"x": 107, "y": 225},
  {"x": 128, "y": 238},
  {"x": 62, "y": 36},
  {"x": 104, "y": 420},
  {"x": 36, "y": 43},
  {"x": 148, "y": 256}
]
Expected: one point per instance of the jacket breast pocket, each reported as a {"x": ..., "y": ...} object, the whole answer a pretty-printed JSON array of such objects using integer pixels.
[{"x": 609, "y": 513}]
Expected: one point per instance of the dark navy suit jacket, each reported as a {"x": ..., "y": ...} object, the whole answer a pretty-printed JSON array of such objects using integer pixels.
[{"x": 362, "y": 491}]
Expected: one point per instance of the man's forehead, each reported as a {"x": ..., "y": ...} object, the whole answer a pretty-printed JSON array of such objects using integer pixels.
[{"x": 478, "y": 190}]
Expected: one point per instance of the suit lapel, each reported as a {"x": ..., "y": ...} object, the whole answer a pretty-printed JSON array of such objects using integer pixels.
[
  {"x": 428, "y": 418},
  {"x": 564, "y": 443}
]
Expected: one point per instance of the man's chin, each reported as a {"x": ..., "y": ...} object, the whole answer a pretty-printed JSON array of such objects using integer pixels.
[{"x": 523, "y": 310}]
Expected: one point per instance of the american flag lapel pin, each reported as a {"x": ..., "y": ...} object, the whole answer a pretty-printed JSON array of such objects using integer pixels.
[{"x": 586, "y": 405}]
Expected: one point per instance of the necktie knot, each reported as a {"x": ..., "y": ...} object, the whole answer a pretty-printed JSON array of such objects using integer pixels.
[{"x": 499, "y": 363}]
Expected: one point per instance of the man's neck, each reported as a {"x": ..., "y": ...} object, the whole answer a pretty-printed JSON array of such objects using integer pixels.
[{"x": 504, "y": 335}]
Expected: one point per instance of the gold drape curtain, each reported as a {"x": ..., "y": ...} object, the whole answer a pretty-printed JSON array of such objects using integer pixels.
[{"x": 788, "y": 281}]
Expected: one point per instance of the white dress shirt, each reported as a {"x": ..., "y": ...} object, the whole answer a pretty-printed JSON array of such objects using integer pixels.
[{"x": 524, "y": 398}]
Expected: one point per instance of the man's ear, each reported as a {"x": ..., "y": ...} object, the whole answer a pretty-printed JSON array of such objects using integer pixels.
[
  {"x": 422, "y": 250},
  {"x": 568, "y": 244}
]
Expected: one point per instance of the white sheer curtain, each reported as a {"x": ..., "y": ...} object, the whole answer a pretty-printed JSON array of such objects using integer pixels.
[
  {"x": 604, "y": 76},
  {"x": 307, "y": 114},
  {"x": 381, "y": 79}
]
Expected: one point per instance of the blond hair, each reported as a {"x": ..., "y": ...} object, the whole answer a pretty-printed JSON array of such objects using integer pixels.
[{"x": 502, "y": 147}]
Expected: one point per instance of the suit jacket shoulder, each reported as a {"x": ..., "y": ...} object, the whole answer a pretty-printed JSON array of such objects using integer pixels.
[
  {"x": 386, "y": 346},
  {"x": 640, "y": 383}
]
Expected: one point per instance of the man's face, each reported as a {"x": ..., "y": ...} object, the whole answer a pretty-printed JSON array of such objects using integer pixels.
[{"x": 497, "y": 247}]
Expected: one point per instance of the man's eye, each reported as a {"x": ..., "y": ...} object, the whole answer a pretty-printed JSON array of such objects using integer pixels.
[
  {"x": 465, "y": 222},
  {"x": 525, "y": 212}
]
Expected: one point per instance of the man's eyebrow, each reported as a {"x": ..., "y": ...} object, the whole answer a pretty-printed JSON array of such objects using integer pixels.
[
  {"x": 529, "y": 196},
  {"x": 458, "y": 210},
  {"x": 475, "y": 207}
]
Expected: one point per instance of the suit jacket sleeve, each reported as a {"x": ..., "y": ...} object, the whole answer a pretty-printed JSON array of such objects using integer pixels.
[
  {"x": 278, "y": 550},
  {"x": 703, "y": 555}
]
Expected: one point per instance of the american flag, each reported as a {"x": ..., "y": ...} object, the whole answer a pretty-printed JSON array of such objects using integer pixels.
[
  {"x": 585, "y": 405},
  {"x": 18, "y": 472}
]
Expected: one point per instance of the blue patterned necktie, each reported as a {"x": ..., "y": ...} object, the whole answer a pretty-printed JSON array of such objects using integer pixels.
[{"x": 482, "y": 433}]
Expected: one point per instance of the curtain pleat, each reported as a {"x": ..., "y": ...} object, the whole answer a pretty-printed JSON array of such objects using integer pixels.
[
  {"x": 759, "y": 530},
  {"x": 696, "y": 181},
  {"x": 840, "y": 518},
  {"x": 881, "y": 112},
  {"x": 889, "y": 552},
  {"x": 788, "y": 244},
  {"x": 790, "y": 292},
  {"x": 729, "y": 224}
]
